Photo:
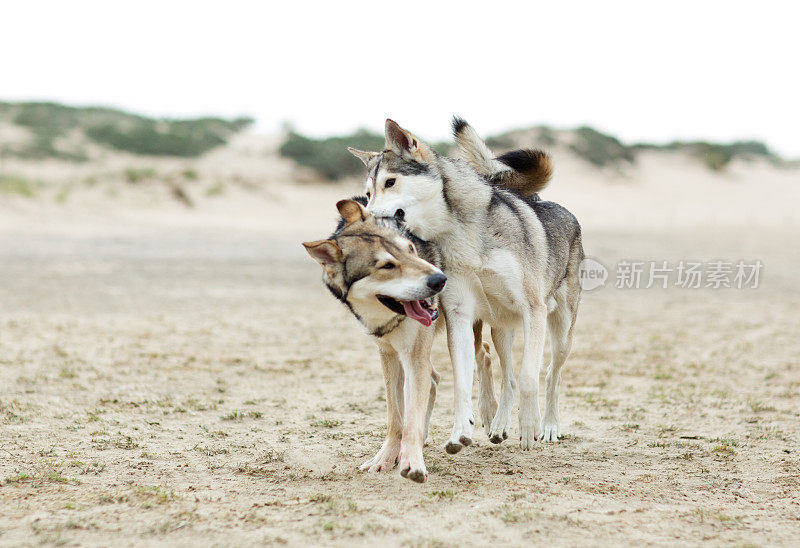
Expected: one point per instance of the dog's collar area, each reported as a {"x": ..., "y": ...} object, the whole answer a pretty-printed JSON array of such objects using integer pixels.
[{"x": 388, "y": 327}]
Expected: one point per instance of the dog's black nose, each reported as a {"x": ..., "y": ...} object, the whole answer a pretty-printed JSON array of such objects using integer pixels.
[
  {"x": 399, "y": 215},
  {"x": 436, "y": 281}
]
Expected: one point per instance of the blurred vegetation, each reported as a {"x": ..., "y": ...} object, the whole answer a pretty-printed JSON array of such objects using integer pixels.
[
  {"x": 547, "y": 136},
  {"x": 50, "y": 124},
  {"x": 215, "y": 189},
  {"x": 329, "y": 157},
  {"x": 135, "y": 175},
  {"x": 500, "y": 142},
  {"x": 717, "y": 156},
  {"x": 11, "y": 184},
  {"x": 64, "y": 132},
  {"x": 190, "y": 174},
  {"x": 600, "y": 149},
  {"x": 186, "y": 138},
  {"x": 544, "y": 136}
]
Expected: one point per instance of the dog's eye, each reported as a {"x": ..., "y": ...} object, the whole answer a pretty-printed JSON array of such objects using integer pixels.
[
  {"x": 386, "y": 266},
  {"x": 411, "y": 248},
  {"x": 369, "y": 195},
  {"x": 389, "y": 183}
]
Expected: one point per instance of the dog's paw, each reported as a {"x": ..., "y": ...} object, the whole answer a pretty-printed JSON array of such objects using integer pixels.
[
  {"x": 379, "y": 464},
  {"x": 501, "y": 424},
  {"x": 529, "y": 433},
  {"x": 419, "y": 475},
  {"x": 487, "y": 408},
  {"x": 460, "y": 437},
  {"x": 453, "y": 447},
  {"x": 385, "y": 459},
  {"x": 413, "y": 468},
  {"x": 551, "y": 430}
]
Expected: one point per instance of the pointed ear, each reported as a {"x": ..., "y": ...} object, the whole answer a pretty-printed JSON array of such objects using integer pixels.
[
  {"x": 403, "y": 143},
  {"x": 363, "y": 155},
  {"x": 325, "y": 252},
  {"x": 351, "y": 211},
  {"x": 396, "y": 137}
]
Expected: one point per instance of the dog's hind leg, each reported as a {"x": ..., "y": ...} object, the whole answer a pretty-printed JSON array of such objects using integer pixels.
[
  {"x": 501, "y": 423},
  {"x": 487, "y": 404},
  {"x": 560, "y": 323},
  {"x": 534, "y": 324},
  {"x": 386, "y": 458},
  {"x": 435, "y": 377}
]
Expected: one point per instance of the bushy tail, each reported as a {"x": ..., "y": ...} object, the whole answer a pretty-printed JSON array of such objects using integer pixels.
[
  {"x": 525, "y": 171},
  {"x": 531, "y": 170},
  {"x": 475, "y": 150}
]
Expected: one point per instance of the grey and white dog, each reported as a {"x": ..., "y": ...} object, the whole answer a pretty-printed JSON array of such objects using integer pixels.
[{"x": 511, "y": 260}]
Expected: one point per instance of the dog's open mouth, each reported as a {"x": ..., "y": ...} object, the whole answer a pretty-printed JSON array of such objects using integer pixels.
[{"x": 423, "y": 311}]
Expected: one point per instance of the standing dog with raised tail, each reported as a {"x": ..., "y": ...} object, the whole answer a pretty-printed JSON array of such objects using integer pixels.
[{"x": 511, "y": 260}]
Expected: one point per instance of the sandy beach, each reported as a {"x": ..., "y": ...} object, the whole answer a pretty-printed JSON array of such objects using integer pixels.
[{"x": 180, "y": 376}]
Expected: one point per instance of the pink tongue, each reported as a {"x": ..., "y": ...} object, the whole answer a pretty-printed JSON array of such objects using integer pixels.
[{"x": 415, "y": 311}]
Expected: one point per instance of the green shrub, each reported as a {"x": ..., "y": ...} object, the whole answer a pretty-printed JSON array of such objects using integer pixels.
[
  {"x": 717, "y": 156},
  {"x": 117, "y": 129},
  {"x": 10, "y": 184},
  {"x": 190, "y": 174},
  {"x": 138, "y": 174},
  {"x": 500, "y": 142},
  {"x": 43, "y": 146},
  {"x": 186, "y": 138},
  {"x": 443, "y": 148},
  {"x": 547, "y": 136},
  {"x": 46, "y": 122},
  {"x": 600, "y": 149},
  {"x": 216, "y": 189},
  {"x": 505, "y": 141},
  {"x": 329, "y": 157}
]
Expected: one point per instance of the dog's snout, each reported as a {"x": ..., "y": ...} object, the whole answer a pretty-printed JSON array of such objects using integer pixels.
[
  {"x": 437, "y": 281},
  {"x": 399, "y": 215}
]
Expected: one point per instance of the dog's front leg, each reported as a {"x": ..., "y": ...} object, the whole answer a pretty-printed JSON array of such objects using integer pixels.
[
  {"x": 533, "y": 326},
  {"x": 386, "y": 458},
  {"x": 460, "y": 342},
  {"x": 417, "y": 370}
]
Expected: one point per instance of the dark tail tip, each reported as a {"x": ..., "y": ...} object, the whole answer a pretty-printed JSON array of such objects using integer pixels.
[
  {"x": 532, "y": 169},
  {"x": 458, "y": 124}
]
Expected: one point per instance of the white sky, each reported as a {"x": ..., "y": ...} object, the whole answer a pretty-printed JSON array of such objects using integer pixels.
[{"x": 639, "y": 70}]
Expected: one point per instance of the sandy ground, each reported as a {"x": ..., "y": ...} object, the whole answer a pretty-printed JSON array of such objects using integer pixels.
[{"x": 183, "y": 378}]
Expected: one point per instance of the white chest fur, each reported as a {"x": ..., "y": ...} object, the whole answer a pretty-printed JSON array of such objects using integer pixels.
[{"x": 494, "y": 292}]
